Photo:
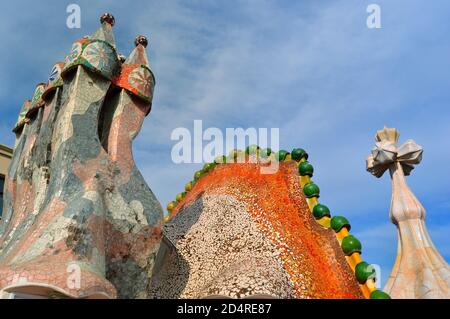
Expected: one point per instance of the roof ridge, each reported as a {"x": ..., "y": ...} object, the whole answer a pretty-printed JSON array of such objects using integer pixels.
[{"x": 351, "y": 246}]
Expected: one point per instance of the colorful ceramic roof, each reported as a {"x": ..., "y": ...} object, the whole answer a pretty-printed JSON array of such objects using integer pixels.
[
  {"x": 136, "y": 76},
  {"x": 96, "y": 52},
  {"x": 280, "y": 208},
  {"x": 54, "y": 206},
  {"x": 54, "y": 79}
]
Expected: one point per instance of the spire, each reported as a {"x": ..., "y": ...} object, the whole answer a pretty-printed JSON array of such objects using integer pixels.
[
  {"x": 105, "y": 33},
  {"x": 386, "y": 152},
  {"x": 136, "y": 76},
  {"x": 36, "y": 100},
  {"x": 107, "y": 18},
  {"x": 97, "y": 52},
  {"x": 21, "y": 117},
  {"x": 139, "y": 53},
  {"x": 37, "y": 93},
  {"x": 29, "y": 107},
  {"x": 419, "y": 270},
  {"x": 54, "y": 79},
  {"x": 141, "y": 39}
]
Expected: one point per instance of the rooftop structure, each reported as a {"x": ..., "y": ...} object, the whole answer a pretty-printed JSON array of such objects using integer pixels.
[
  {"x": 79, "y": 221},
  {"x": 419, "y": 270}
]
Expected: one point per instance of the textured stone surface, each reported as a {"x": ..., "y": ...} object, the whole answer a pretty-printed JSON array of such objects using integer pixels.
[
  {"x": 239, "y": 233},
  {"x": 220, "y": 252}
]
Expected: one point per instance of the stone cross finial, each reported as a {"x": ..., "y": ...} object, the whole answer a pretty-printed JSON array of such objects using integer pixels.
[
  {"x": 385, "y": 153},
  {"x": 419, "y": 270}
]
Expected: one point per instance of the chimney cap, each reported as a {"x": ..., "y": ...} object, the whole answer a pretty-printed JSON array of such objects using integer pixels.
[
  {"x": 141, "y": 39},
  {"x": 108, "y": 18}
]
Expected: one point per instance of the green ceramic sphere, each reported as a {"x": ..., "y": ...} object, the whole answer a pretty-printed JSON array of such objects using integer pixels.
[
  {"x": 171, "y": 206},
  {"x": 252, "y": 149},
  {"x": 281, "y": 155},
  {"x": 180, "y": 196},
  {"x": 220, "y": 159},
  {"x": 188, "y": 186},
  {"x": 311, "y": 190},
  {"x": 378, "y": 294},
  {"x": 265, "y": 152},
  {"x": 208, "y": 167},
  {"x": 337, "y": 222},
  {"x": 364, "y": 271},
  {"x": 299, "y": 153},
  {"x": 233, "y": 153},
  {"x": 305, "y": 169},
  {"x": 350, "y": 245},
  {"x": 197, "y": 175},
  {"x": 236, "y": 156},
  {"x": 320, "y": 211}
]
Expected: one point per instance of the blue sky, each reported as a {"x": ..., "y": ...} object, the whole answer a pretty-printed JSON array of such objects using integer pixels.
[{"x": 311, "y": 68}]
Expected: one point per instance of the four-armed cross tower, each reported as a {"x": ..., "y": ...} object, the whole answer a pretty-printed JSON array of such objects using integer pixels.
[{"x": 419, "y": 270}]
